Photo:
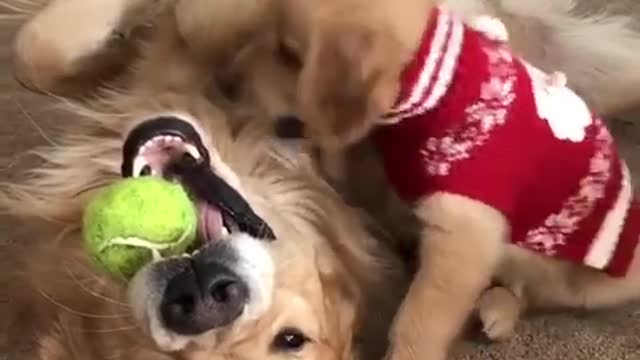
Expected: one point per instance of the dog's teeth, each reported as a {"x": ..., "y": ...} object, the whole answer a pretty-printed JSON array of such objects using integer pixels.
[
  {"x": 143, "y": 149},
  {"x": 225, "y": 231},
  {"x": 192, "y": 151},
  {"x": 147, "y": 146},
  {"x": 155, "y": 141}
]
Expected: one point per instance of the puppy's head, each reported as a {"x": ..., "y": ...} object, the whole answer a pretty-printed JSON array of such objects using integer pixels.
[
  {"x": 346, "y": 83},
  {"x": 281, "y": 265},
  {"x": 354, "y": 55},
  {"x": 330, "y": 70}
]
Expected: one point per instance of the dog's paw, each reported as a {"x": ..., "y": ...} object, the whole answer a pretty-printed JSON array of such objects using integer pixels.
[{"x": 498, "y": 310}]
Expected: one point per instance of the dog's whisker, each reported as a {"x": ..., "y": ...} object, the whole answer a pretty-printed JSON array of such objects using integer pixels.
[
  {"x": 91, "y": 276},
  {"x": 65, "y": 231},
  {"x": 80, "y": 313},
  {"x": 35, "y": 125},
  {"x": 120, "y": 354},
  {"x": 16, "y": 158},
  {"x": 90, "y": 187},
  {"x": 93, "y": 292},
  {"x": 87, "y": 112},
  {"x": 109, "y": 330}
]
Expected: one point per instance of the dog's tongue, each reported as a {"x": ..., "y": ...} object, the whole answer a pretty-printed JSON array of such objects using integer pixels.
[{"x": 210, "y": 223}]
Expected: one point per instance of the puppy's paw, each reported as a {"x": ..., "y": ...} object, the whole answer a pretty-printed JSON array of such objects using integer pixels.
[{"x": 499, "y": 310}]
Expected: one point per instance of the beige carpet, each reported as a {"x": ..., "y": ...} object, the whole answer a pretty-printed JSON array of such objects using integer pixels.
[{"x": 607, "y": 335}]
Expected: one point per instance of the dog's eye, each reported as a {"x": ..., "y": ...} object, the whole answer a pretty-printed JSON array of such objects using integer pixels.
[{"x": 289, "y": 339}]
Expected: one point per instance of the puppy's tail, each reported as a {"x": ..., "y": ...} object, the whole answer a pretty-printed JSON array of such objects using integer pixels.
[{"x": 595, "y": 45}]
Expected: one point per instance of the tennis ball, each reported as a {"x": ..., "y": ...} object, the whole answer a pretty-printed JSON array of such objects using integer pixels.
[{"x": 134, "y": 220}]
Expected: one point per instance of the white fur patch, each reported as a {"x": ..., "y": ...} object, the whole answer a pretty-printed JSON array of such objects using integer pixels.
[{"x": 256, "y": 267}]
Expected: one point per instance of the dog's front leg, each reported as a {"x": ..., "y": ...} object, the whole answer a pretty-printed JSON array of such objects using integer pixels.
[
  {"x": 461, "y": 246},
  {"x": 70, "y": 47}
]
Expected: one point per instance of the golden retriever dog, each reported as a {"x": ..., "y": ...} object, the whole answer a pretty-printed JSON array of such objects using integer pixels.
[
  {"x": 362, "y": 73},
  {"x": 266, "y": 84},
  {"x": 294, "y": 273}
]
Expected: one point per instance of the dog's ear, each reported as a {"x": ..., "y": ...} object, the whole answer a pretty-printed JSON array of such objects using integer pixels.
[{"x": 349, "y": 78}]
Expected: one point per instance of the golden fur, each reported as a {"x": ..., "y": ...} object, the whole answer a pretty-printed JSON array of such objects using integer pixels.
[
  {"x": 324, "y": 262},
  {"x": 332, "y": 278},
  {"x": 348, "y": 77},
  {"x": 267, "y": 86}
]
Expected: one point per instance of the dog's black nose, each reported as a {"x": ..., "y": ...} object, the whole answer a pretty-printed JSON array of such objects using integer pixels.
[
  {"x": 205, "y": 296},
  {"x": 289, "y": 127}
]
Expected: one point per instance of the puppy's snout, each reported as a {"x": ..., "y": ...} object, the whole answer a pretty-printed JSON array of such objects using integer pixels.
[{"x": 205, "y": 296}]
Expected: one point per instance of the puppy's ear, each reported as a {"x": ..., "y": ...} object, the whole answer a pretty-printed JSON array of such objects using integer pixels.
[{"x": 349, "y": 78}]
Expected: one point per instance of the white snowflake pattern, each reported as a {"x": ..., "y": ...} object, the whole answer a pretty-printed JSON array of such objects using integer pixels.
[
  {"x": 566, "y": 113},
  {"x": 557, "y": 227},
  {"x": 482, "y": 117}
]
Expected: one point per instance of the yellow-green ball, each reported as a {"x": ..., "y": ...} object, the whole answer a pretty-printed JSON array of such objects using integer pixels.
[{"x": 140, "y": 214}]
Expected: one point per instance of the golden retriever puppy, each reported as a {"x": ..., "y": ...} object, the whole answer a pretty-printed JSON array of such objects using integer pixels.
[
  {"x": 69, "y": 47},
  {"x": 292, "y": 273},
  {"x": 465, "y": 130}
]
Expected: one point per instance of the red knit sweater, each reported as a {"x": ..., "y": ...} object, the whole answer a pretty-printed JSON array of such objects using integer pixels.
[{"x": 473, "y": 119}]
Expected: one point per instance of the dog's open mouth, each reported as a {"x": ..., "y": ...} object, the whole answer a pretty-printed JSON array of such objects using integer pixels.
[{"x": 171, "y": 148}]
